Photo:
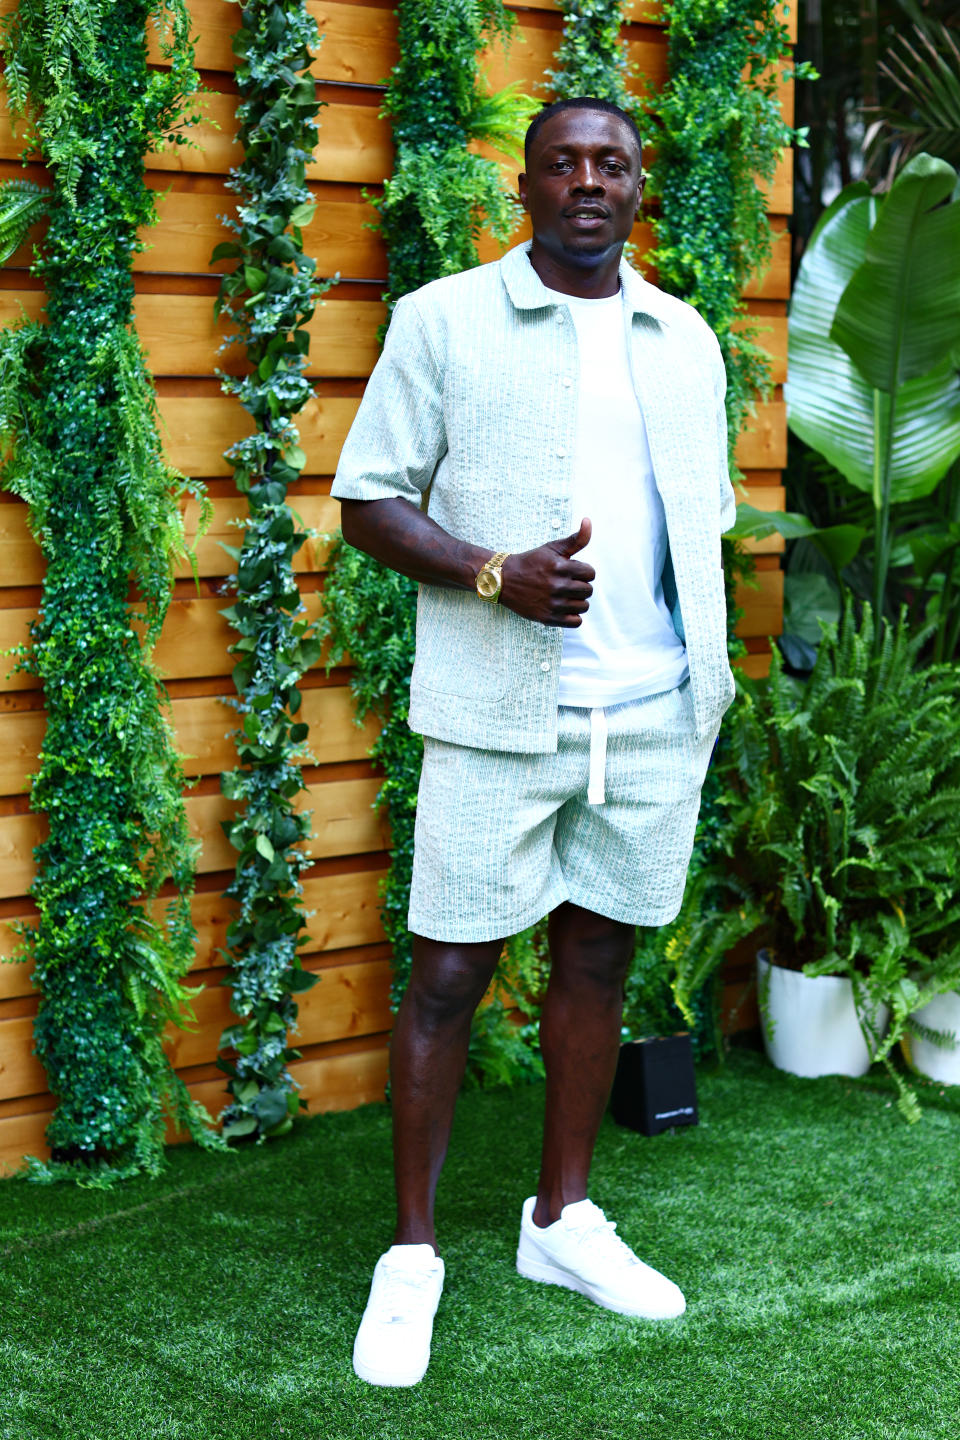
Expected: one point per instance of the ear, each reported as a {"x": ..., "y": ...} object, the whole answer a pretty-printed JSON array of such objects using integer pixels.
[
  {"x": 522, "y": 190},
  {"x": 640, "y": 186}
]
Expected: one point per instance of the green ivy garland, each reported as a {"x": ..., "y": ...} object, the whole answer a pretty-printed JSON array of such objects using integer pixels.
[
  {"x": 434, "y": 206},
  {"x": 441, "y": 195},
  {"x": 78, "y": 426},
  {"x": 269, "y": 299},
  {"x": 591, "y": 58},
  {"x": 718, "y": 132}
]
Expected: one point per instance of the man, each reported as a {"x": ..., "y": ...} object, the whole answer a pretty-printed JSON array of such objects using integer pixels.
[{"x": 569, "y": 690}]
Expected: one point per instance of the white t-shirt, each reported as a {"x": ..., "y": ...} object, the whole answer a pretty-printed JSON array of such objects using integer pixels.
[{"x": 626, "y": 646}]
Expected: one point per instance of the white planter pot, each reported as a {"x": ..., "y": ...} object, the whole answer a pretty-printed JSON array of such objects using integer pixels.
[
  {"x": 810, "y": 1024},
  {"x": 934, "y": 1061}
]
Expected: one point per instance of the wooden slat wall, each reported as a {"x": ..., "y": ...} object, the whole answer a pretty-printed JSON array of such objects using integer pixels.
[{"x": 345, "y": 1019}]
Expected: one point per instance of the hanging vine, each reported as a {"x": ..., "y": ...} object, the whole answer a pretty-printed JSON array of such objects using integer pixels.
[
  {"x": 591, "y": 58},
  {"x": 434, "y": 206},
  {"x": 81, "y": 447},
  {"x": 269, "y": 299},
  {"x": 719, "y": 135}
]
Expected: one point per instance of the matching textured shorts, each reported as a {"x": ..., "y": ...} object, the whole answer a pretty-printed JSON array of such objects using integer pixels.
[{"x": 607, "y": 823}]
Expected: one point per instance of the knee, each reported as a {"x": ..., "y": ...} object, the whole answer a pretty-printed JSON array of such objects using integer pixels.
[
  {"x": 447, "y": 989},
  {"x": 591, "y": 950}
]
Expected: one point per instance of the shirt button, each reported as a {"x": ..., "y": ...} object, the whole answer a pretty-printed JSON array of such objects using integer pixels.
[
  {"x": 561, "y": 453},
  {"x": 560, "y": 319},
  {"x": 567, "y": 381},
  {"x": 544, "y": 664},
  {"x": 556, "y": 524}
]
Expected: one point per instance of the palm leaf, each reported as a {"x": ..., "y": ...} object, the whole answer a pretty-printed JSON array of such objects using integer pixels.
[{"x": 925, "y": 68}]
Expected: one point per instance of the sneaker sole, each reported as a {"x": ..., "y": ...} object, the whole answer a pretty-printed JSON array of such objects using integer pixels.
[
  {"x": 548, "y": 1274},
  {"x": 384, "y": 1377}
]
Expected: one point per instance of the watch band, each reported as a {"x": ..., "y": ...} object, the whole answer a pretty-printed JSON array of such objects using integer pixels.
[{"x": 492, "y": 567}]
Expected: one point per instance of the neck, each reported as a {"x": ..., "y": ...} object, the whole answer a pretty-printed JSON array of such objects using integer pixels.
[{"x": 596, "y": 280}]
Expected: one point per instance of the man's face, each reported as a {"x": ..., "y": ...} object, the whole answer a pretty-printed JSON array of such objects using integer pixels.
[{"x": 582, "y": 187}]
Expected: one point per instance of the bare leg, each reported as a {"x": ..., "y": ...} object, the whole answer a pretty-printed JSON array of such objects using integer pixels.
[
  {"x": 428, "y": 1054},
  {"x": 580, "y": 1040}
]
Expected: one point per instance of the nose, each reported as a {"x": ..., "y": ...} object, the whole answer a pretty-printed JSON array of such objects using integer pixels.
[{"x": 587, "y": 177}]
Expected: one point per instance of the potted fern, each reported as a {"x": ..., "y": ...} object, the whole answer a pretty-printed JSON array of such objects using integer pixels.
[{"x": 838, "y": 836}]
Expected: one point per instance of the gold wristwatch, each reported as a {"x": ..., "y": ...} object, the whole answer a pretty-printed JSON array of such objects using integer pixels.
[{"x": 490, "y": 577}]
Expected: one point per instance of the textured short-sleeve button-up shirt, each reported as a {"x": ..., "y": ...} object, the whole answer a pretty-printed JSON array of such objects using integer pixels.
[{"x": 473, "y": 404}]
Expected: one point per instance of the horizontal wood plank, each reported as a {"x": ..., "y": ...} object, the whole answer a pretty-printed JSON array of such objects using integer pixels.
[
  {"x": 354, "y": 145},
  {"x": 198, "y": 429},
  {"x": 348, "y": 1000},
  {"x": 193, "y": 644},
  {"x": 338, "y": 237},
  {"x": 22, "y": 1135},
  {"x": 20, "y": 1071},
  {"x": 344, "y": 822},
  {"x": 531, "y": 51},
  {"x": 20, "y": 555},
  {"x": 181, "y": 336},
  {"x": 762, "y": 602},
  {"x": 203, "y": 726},
  {"x": 357, "y": 46},
  {"x": 764, "y": 497},
  {"x": 757, "y": 667},
  {"x": 330, "y": 1082},
  {"x": 763, "y": 442},
  {"x": 339, "y": 1081},
  {"x": 343, "y": 913}
]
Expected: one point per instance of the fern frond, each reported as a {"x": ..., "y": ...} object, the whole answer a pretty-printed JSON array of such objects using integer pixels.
[{"x": 22, "y": 204}]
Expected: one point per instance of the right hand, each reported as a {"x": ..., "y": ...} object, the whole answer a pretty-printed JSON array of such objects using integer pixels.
[{"x": 547, "y": 584}]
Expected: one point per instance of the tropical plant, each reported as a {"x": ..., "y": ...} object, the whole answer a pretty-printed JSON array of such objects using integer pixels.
[
  {"x": 873, "y": 351},
  {"x": 923, "y": 66},
  {"x": 80, "y": 445},
  {"x": 269, "y": 299},
  {"x": 840, "y": 827}
]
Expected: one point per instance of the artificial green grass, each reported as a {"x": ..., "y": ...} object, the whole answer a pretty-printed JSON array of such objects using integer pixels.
[{"x": 815, "y": 1235}]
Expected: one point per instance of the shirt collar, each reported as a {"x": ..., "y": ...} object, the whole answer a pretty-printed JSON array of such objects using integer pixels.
[{"x": 528, "y": 292}]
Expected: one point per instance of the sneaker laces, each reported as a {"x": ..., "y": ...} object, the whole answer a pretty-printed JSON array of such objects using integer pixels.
[
  {"x": 600, "y": 1235},
  {"x": 404, "y": 1291}
]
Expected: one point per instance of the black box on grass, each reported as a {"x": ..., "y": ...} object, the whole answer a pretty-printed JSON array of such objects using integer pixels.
[{"x": 655, "y": 1085}]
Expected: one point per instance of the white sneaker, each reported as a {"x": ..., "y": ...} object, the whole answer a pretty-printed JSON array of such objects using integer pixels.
[
  {"x": 393, "y": 1343},
  {"x": 583, "y": 1252}
]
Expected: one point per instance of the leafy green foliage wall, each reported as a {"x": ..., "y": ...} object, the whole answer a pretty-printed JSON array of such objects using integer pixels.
[
  {"x": 718, "y": 131},
  {"x": 270, "y": 298},
  {"x": 591, "y": 58},
  {"x": 77, "y": 421},
  {"x": 433, "y": 208}
]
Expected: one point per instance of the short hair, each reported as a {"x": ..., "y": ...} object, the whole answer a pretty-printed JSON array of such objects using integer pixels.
[{"x": 579, "y": 102}]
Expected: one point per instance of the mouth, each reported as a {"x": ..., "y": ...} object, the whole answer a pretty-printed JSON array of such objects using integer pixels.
[{"x": 586, "y": 217}]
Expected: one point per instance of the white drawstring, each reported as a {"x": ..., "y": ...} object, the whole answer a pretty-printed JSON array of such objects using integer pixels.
[{"x": 598, "y": 756}]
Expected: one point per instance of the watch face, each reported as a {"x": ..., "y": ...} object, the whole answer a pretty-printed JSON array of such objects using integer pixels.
[{"x": 488, "y": 584}]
